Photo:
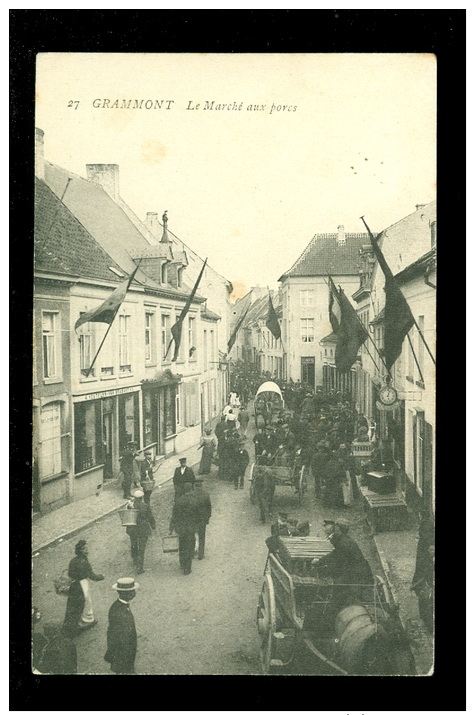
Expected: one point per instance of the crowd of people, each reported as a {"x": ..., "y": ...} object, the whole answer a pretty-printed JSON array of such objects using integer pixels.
[{"x": 318, "y": 428}]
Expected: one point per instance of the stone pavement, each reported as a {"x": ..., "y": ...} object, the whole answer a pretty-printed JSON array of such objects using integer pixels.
[
  {"x": 48, "y": 529},
  {"x": 396, "y": 549}
]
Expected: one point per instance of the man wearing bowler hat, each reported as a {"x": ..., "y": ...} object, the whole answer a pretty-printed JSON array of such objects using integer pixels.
[
  {"x": 182, "y": 475},
  {"x": 140, "y": 531},
  {"x": 121, "y": 633}
]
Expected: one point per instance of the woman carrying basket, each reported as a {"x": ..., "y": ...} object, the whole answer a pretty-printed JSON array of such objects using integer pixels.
[{"x": 79, "y": 614}]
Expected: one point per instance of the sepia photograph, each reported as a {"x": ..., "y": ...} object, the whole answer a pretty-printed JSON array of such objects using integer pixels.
[{"x": 234, "y": 360}]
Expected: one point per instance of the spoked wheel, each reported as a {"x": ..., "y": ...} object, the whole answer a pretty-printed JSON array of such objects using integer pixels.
[
  {"x": 252, "y": 488},
  {"x": 266, "y": 623},
  {"x": 302, "y": 483}
]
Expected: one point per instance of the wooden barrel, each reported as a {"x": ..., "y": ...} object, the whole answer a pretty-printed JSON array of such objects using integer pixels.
[
  {"x": 128, "y": 517},
  {"x": 354, "y": 628}
]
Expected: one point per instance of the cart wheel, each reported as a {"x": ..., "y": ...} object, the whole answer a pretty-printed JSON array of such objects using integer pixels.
[
  {"x": 266, "y": 624},
  {"x": 302, "y": 482},
  {"x": 252, "y": 488}
]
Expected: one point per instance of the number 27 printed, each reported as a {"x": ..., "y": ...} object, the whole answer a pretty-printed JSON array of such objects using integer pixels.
[{"x": 71, "y": 103}]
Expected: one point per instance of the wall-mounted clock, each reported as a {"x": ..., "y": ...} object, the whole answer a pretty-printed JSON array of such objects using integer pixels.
[{"x": 387, "y": 395}]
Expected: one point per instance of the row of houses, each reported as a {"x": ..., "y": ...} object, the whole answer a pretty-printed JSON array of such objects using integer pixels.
[
  {"x": 87, "y": 242},
  {"x": 307, "y": 348},
  {"x": 254, "y": 341}
]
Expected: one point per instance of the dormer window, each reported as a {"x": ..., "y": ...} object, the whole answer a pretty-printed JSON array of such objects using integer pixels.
[
  {"x": 163, "y": 276},
  {"x": 179, "y": 277}
]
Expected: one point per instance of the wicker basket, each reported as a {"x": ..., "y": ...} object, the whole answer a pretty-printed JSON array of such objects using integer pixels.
[{"x": 148, "y": 485}]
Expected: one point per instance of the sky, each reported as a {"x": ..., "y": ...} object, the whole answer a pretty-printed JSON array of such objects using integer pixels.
[{"x": 318, "y": 141}]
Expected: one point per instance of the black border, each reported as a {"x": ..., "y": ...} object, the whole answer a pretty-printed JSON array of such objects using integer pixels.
[{"x": 441, "y": 32}]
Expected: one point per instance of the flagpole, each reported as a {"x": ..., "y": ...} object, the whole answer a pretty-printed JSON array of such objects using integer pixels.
[
  {"x": 415, "y": 323},
  {"x": 372, "y": 341},
  {"x": 110, "y": 324},
  {"x": 100, "y": 346}
]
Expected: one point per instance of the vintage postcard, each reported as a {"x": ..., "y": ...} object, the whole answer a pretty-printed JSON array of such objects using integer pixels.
[{"x": 234, "y": 364}]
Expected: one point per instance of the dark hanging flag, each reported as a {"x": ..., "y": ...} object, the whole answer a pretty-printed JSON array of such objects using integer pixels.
[
  {"x": 176, "y": 329},
  {"x": 350, "y": 334},
  {"x": 272, "y": 322},
  {"x": 398, "y": 319},
  {"x": 233, "y": 337},
  {"x": 106, "y": 312}
]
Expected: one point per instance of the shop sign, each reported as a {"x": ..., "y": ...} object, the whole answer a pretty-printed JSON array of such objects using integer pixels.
[{"x": 106, "y": 393}]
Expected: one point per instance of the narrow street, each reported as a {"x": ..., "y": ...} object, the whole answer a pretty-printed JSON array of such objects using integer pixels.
[{"x": 201, "y": 624}]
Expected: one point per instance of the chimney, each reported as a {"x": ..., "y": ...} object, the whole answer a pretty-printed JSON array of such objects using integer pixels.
[
  {"x": 107, "y": 176},
  {"x": 151, "y": 222},
  {"x": 40, "y": 153},
  {"x": 420, "y": 206},
  {"x": 341, "y": 240}
]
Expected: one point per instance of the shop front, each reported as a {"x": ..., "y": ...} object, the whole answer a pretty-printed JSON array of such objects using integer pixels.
[
  {"x": 104, "y": 422},
  {"x": 159, "y": 398}
]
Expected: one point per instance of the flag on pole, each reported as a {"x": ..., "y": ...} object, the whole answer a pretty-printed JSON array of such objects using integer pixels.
[
  {"x": 176, "y": 329},
  {"x": 233, "y": 337},
  {"x": 272, "y": 322},
  {"x": 106, "y": 312},
  {"x": 398, "y": 318},
  {"x": 350, "y": 334}
]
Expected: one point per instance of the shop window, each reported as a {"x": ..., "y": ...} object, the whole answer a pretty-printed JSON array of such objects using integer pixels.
[
  {"x": 150, "y": 416},
  {"x": 87, "y": 435},
  {"x": 51, "y": 326},
  {"x": 128, "y": 420},
  {"x": 124, "y": 345},
  {"x": 169, "y": 410},
  {"x": 307, "y": 330},
  {"x": 51, "y": 440}
]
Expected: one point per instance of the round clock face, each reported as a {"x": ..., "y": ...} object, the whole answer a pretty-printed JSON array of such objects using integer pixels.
[{"x": 387, "y": 395}]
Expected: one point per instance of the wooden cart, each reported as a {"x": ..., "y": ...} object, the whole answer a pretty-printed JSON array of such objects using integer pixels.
[
  {"x": 285, "y": 472},
  {"x": 297, "y": 611}
]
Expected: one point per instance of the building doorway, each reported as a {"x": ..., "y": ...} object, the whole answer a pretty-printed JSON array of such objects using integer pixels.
[
  {"x": 308, "y": 371},
  {"x": 107, "y": 442}
]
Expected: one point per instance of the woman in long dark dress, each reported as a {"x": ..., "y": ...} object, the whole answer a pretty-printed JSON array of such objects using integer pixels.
[
  {"x": 208, "y": 446},
  {"x": 79, "y": 613}
]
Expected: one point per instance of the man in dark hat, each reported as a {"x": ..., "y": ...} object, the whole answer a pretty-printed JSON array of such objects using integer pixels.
[
  {"x": 121, "y": 633},
  {"x": 203, "y": 503},
  {"x": 140, "y": 531},
  {"x": 185, "y": 521},
  {"x": 183, "y": 474},
  {"x": 240, "y": 465}
]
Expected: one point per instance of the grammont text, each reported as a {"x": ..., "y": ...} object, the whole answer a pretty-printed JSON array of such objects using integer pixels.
[{"x": 133, "y": 103}]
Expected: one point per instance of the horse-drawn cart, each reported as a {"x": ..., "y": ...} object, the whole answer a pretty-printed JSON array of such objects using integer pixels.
[
  {"x": 278, "y": 471},
  {"x": 268, "y": 404},
  {"x": 308, "y": 624}
]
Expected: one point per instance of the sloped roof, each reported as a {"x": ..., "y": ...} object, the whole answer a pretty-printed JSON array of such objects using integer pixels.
[
  {"x": 106, "y": 221},
  {"x": 208, "y": 314},
  {"x": 425, "y": 262},
  {"x": 62, "y": 244},
  {"x": 324, "y": 256},
  {"x": 330, "y": 338}
]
